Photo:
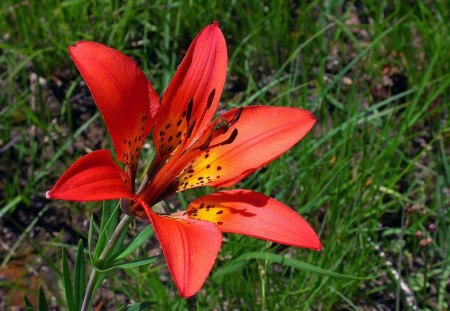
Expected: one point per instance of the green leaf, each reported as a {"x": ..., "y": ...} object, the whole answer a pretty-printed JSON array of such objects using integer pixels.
[
  {"x": 293, "y": 263},
  {"x": 131, "y": 264},
  {"x": 68, "y": 289},
  {"x": 140, "y": 239},
  {"x": 28, "y": 305},
  {"x": 233, "y": 267},
  {"x": 118, "y": 246},
  {"x": 42, "y": 302},
  {"x": 79, "y": 272},
  {"x": 110, "y": 214},
  {"x": 145, "y": 305}
]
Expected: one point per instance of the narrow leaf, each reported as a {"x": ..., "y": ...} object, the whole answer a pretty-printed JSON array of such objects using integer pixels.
[
  {"x": 79, "y": 272},
  {"x": 145, "y": 305},
  {"x": 42, "y": 301},
  {"x": 68, "y": 288},
  {"x": 110, "y": 214},
  {"x": 28, "y": 305},
  {"x": 293, "y": 263},
  {"x": 131, "y": 264},
  {"x": 140, "y": 239}
]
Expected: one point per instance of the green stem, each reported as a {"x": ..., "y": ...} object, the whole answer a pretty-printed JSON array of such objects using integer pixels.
[{"x": 123, "y": 225}]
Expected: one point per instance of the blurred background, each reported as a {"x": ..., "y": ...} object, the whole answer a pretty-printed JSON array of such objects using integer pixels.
[{"x": 372, "y": 177}]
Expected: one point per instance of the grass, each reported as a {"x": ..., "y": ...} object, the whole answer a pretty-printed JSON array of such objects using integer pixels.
[{"x": 372, "y": 178}]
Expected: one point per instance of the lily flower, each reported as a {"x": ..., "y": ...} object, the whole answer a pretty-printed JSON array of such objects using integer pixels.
[{"x": 191, "y": 151}]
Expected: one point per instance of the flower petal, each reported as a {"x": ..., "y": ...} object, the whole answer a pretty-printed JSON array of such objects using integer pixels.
[
  {"x": 193, "y": 94},
  {"x": 93, "y": 177},
  {"x": 254, "y": 136},
  {"x": 190, "y": 248},
  {"x": 123, "y": 95},
  {"x": 254, "y": 214}
]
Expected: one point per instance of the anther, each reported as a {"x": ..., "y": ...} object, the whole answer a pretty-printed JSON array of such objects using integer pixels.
[
  {"x": 236, "y": 116},
  {"x": 190, "y": 129},
  {"x": 205, "y": 145},
  {"x": 221, "y": 124},
  {"x": 230, "y": 139}
]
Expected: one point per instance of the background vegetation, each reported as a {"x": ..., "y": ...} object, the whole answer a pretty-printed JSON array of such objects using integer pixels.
[{"x": 372, "y": 178}]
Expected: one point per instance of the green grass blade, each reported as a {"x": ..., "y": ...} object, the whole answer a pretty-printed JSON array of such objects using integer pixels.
[
  {"x": 28, "y": 305},
  {"x": 293, "y": 263},
  {"x": 110, "y": 213},
  {"x": 137, "y": 242},
  {"x": 11, "y": 204},
  {"x": 79, "y": 272},
  {"x": 145, "y": 305},
  {"x": 132, "y": 264},
  {"x": 68, "y": 288},
  {"x": 42, "y": 301}
]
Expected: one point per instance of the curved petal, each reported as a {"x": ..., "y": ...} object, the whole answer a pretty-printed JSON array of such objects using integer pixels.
[
  {"x": 254, "y": 214},
  {"x": 191, "y": 99},
  {"x": 190, "y": 248},
  {"x": 123, "y": 95},
  {"x": 93, "y": 177},
  {"x": 254, "y": 136}
]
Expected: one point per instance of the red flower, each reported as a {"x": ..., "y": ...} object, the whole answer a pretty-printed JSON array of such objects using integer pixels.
[{"x": 191, "y": 151}]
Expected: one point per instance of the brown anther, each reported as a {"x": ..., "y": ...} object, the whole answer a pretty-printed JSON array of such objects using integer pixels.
[
  {"x": 205, "y": 145},
  {"x": 230, "y": 139},
  {"x": 221, "y": 125},
  {"x": 190, "y": 129},
  {"x": 236, "y": 116}
]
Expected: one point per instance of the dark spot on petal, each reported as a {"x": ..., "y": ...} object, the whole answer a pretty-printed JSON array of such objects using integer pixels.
[
  {"x": 220, "y": 223},
  {"x": 189, "y": 109},
  {"x": 219, "y": 168},
  {"x": 219, "y": 212},
  {"x": 210, "y": 98}
]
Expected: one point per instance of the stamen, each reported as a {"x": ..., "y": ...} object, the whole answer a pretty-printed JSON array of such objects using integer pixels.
[
  {"x": 236, "y": 116},
  {"x": 207, "y": 142},
  {"x": 190, "y": 129},
  {"x": 230, "y": 139},
  {"x": 222, "y": 125}
]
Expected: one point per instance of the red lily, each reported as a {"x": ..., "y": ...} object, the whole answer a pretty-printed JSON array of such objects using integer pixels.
[{"x": 191, "y": 151}]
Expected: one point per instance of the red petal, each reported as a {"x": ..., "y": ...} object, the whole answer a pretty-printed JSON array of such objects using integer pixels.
[
  {"x": 254, "y": 214},
  {"x": 260, "y": 135},
  {"x": 190, "y": 248},
  {"x": 200, "y": 78},
  {"x": 121, "y": 91},
  {"x": 93, "y": 177}
]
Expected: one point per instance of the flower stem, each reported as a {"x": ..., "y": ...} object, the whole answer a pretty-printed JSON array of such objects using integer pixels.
[{"x": 123, "y": 225}]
